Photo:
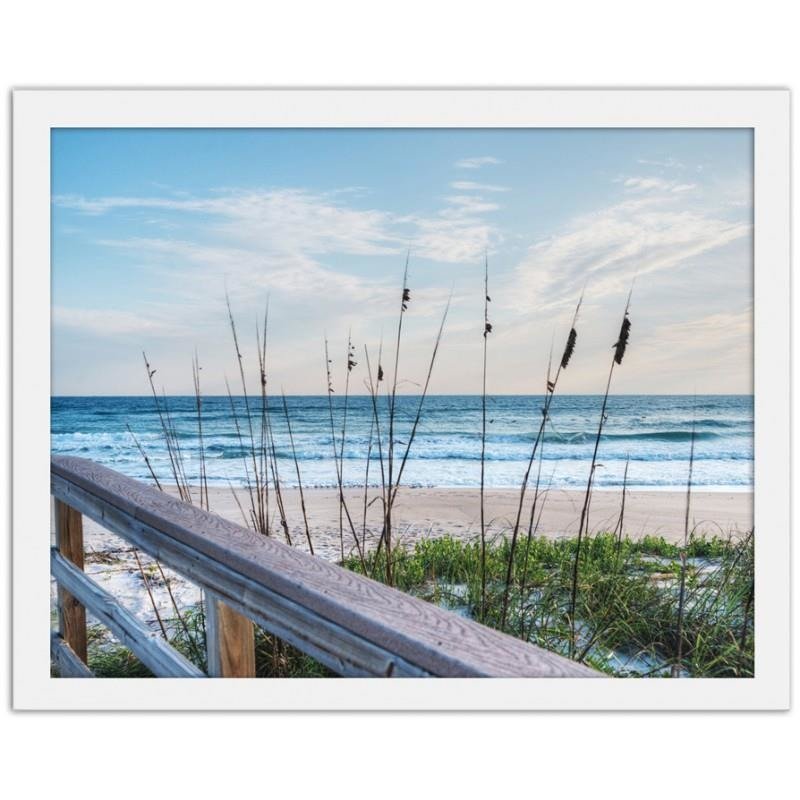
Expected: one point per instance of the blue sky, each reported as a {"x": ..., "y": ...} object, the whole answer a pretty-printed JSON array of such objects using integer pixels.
[{"x": 150, "y": 228}]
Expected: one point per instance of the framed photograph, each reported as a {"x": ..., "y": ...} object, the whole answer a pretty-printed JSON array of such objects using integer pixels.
[{"x": 488, "y": 386}]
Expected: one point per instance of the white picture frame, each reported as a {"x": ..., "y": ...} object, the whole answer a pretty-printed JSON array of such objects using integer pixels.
[{"x": 36, "y": 112}]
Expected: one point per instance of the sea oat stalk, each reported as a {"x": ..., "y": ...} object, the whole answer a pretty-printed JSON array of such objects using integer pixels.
[
  {"x": 619, "y": 352},
  {"x": 550, "y": 390}
]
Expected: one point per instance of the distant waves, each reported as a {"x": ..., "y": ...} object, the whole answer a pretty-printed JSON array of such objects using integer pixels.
[{"x": 654, "y": 432}]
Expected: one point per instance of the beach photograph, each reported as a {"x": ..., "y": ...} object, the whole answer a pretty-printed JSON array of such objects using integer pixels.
[{"x": 388, "y": 402}]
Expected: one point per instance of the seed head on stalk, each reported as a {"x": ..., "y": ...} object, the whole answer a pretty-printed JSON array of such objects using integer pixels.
[
  {"x": 569, "y": 348},
  {"x": 622, "y": 342}
]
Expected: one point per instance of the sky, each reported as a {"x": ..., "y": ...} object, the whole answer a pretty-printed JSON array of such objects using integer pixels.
[{"x": 152, "y": 228}]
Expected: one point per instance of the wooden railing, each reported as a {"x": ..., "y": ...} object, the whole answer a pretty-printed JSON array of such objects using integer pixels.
[{"x": 353, "y": 625}]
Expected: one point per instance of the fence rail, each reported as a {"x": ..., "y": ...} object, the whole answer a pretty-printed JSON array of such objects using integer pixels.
[{"x": 350, "y": 623}]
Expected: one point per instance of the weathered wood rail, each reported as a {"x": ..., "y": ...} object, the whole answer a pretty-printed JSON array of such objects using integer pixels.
[{"x": 353, "y": 625}]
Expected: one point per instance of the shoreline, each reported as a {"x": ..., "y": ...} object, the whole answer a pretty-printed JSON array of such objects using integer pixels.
[
  {"x": 597, "y": 489},
  {"x": 426, "y": 512},
  {"x": 422, "y": 513}
]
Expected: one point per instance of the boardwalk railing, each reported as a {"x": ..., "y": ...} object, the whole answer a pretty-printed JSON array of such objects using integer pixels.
[{"x": 353, "y": 625}]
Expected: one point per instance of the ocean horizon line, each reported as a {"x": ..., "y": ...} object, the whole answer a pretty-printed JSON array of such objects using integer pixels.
[{"x": 418, "y": 394}]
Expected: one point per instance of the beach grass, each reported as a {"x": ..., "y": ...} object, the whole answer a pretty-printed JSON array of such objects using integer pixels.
[{"x": 625, "y": 614}]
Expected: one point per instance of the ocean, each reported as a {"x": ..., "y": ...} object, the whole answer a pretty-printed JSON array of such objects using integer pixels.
[{"x": 652, "y": 431}]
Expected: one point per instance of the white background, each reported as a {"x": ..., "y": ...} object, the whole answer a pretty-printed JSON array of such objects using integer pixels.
[{"x": 411, "y": 44}]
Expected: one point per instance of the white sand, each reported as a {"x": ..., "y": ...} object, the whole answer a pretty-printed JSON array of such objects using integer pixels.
[{"x": 421, "y": 513}]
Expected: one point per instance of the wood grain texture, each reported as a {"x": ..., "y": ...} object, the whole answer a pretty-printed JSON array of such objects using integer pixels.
[
  {"x": 429, "y": 639},
  {"x": 71, "y": 614},
  {"x": 149, "y": 646},
  {"x": 65, "y": 659},
  {"x": 343, "y": 651},
  {"x": 230, "y": 641}
]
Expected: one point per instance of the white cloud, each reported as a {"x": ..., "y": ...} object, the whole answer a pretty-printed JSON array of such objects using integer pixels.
[
  {"x": 668, "y": 163},
  {"x": 458, "y": 233},
  {"x": 103, "y": 205},
  {"x": 645, "y": 183},
  {"x": 302, "y": 223},
  {"x": 610, "y": 246},
  {"x": 452, "y": 240},
  {"x": 467, "y": 205},
  {"x": 200, "y": 271},
  {"x": 469, "y": 186},
  {"x": 282, "y": 219},
  {"x": 289, "y": 245},
  {"x": 296, "y": 228},
  {"x": 109, "y": 322},
  {"x": 648, "y": 184},
  {"x": 476, "y": 162}
]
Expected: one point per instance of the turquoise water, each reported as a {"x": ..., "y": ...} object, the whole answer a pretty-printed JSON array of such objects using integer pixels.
[{"x": 653, "y": 431}]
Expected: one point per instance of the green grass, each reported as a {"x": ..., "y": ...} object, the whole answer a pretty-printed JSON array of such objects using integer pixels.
[
  {"x": 626, "y": 609},
  {"x": 276, "y": 659}
]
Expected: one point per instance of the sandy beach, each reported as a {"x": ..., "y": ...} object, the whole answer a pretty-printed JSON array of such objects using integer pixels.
[
  {"x": 421, "y": 513},
  {"x": 424, "y": 513}
]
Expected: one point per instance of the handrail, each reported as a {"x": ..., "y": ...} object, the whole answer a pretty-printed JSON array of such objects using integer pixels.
[
  {"x": 350, "y": 623},
  {"x": 148, "y": 645}
]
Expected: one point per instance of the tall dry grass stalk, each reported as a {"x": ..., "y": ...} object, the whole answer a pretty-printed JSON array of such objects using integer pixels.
[
  {"x": 153, "y": 603},
  {"x": 394, "y": 486},
  {"x": 619, "y": 347},
  {"x": 386, "y": 538},
  {"x": 338, "y": 457},
  {"x": 331, "y": 391},
  {"x": 179, "y": 459},
  {"x": 373, "y": 386},
  {"x": 272, "y": 459},
  {"x": 676, "y": 667},
  {"x": 422, "y": 397},
  {"x": 144, "y": 455},
  {"x": 268, "y": 458},
  {"x": 370, "y": 440},
  {"x": 391, "y": 470},
  {"x": 251, "y": 494},
  {"x": 350, "y": 363},
  {"x": 297, "y": 472},
  {"x": 267, "y": 465},
  {"x": 619, "y": 530},
  {"x": 255, "y": 437},
  {"x": 203, "y": 474},
  {"x": 748, "y": 608},
  {"x": 550, "y": 390},
  {"x": 258, "y": 489},
  {"x": 487, "y": 329},
  {"x": 533, "y": 528},
  {"x": 170, "y": 440},
  {"x": 179, "y": 476}
]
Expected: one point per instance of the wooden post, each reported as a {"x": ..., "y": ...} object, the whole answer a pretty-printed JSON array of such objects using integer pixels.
[
  {"x": 230, "y": 640},
  {"x": 71, "y": 614}
]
